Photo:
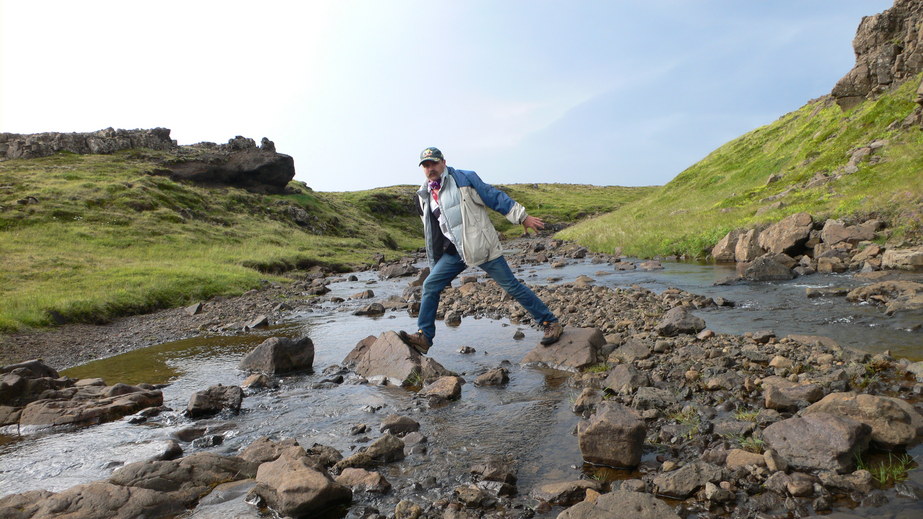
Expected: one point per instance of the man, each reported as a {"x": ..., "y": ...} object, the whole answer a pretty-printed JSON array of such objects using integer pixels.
[{"x": 453, "y": 204}]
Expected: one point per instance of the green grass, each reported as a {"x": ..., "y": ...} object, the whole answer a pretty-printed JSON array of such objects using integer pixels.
[
  {"x": 728, "y": 189},
  {"x": 102, "y": 237},
  {"x": 748, "y": 443},
  {"x": 746, "y": 415},
  {"x": 889, "y": 472},
  {"x": 563, "y": 204}
]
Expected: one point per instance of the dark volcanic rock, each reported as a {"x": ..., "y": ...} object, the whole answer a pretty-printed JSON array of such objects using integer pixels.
[{"x": 240, "y": 163}]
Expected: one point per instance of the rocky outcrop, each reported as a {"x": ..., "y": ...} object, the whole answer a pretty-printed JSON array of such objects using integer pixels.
[
  {"x": 30, "y": 146},
  {"x": 238, "y": 163},
  {"x": 33, "y": 394},
  {"x": 889, "y": 50}
]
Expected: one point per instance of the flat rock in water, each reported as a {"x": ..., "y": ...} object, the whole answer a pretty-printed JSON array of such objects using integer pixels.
[{"x": 578, "y": 348}]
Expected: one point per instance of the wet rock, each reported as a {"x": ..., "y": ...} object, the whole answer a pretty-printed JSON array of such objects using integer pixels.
[
  {"x": 280, "y": 355},
  {"x": 385, "y": 449},
  {"x": 214, "y": 400},
  {"x": 186, "y": 478},
  {"x": 171, "y": 451},
  {"x": 494, "y": 377},
  {"x": 257, "y": 381},
  {"x": 893, "y": 422},
  {"x": 397, "y": 270},
  {"x": 683, "y": 482},
  {"x": 371, "y": 310},
  {"x": 361, "y": 480},
  {"x": 494, "y": 469},
  {"x": 466, "y": 350},
  {"x": 293, "y": 487},
  {"x": 578, "y": 348},
  {"x": 365, "y": 294},
  {"x": 818, "y": 441},
  {"x": 621, "y": 504},
  {"x": 650, "y": 265},
  {"x": 613, "y": 436},
  {"x": 679, "y": 320},
  {"x": 264, "y": 450},
  {"x": 389, "y": 357},
  {"x": 769, "y": 267},
  {"x": 407, "y": 510},
  {"x": 788, "y": 235},
  {"x": 565, "y": 493},
  {"x": 442, "y": 390},
  {"x": 626, "y": 377},
  {"x": 399, "y": 425},
  {"x": 895, "y": 295}
]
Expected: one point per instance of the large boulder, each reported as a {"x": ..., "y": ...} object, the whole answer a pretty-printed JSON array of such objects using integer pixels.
[
  {"x": 577, "y": 348},
  {"x": 681, "y": 483},
  {"x": 788, "y": 235},
  {"x": 280, "y": 355},
  {"x": 214, "y": 400},
  {"x": 678, "y": 320},
  {"x": 389, "y": 358},
  {"x": 894, "y": 422},
  {"x": 613, "y": 436},
  {"x": 819, "y": 441},
  {"x": 292, "y": 486}
]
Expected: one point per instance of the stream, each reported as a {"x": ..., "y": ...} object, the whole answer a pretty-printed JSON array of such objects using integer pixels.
[{"x": 529, "y": 420}]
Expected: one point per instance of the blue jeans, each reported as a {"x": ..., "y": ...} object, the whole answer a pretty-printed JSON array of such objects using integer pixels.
[{"x": 451, "y": 265}]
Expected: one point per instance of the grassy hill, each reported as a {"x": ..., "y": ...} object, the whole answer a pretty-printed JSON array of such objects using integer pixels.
[
  {"x": 85, "y": 238},
  {"x": 805, "y": 152}
]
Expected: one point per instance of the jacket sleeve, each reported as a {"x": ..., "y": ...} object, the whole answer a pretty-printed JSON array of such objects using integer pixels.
[{"x": 497, "y": 200}]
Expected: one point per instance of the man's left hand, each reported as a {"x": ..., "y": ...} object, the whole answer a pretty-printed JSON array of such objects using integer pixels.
[{"x": 533, "y": 223}]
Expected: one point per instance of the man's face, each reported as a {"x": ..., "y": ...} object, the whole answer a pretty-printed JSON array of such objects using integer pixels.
[{"x": 433, "y": 169}]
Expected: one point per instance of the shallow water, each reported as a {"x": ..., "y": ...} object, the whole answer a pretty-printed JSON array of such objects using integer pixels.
[{"x": 529, "y": 420}]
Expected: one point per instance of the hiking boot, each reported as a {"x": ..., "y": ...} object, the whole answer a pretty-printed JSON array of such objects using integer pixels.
[
  {"x": 417, "y": 341},
  {"x": 553, "y": 332}
]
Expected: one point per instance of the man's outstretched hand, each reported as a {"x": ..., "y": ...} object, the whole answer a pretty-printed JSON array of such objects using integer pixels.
[{"x": 533, "y": 223}]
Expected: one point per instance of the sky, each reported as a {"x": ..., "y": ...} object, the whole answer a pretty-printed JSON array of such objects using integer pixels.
[{"x": 607, "y": 92}]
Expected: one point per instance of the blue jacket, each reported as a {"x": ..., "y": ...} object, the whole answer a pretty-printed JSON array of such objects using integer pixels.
[{"x": 464, "y": 199}]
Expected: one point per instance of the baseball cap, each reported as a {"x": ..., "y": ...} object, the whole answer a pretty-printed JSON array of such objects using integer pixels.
[{"x": 431, "y": 154}]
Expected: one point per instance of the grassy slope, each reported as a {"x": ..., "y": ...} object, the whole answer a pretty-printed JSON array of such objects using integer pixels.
[
  {"x": 726, "y": 189},
  {"x": 105, "y": 238},
  {"x": 108, "y": 239}
]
